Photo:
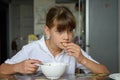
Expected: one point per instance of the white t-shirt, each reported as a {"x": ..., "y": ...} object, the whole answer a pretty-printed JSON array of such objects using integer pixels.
[{"x": 39, "y": 51}]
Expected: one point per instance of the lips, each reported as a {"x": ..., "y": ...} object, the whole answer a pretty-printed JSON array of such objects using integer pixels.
[{"x": 64, "y": 44}]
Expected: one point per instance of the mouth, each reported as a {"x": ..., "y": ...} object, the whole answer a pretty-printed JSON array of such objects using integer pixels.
[{"x": 64, "y": 44}]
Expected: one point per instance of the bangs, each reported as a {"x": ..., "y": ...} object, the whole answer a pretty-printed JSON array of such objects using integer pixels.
[{"x": 65, "y": 24}]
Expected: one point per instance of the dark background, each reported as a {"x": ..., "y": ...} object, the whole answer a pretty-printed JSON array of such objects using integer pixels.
[{"x": 3, "y": 29}]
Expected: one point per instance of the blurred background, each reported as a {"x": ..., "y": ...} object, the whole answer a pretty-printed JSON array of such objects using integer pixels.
[{"x": 22, "y": 21}]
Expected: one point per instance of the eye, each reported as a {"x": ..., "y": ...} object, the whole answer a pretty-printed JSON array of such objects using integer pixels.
[{"x": 59, "y": 31}]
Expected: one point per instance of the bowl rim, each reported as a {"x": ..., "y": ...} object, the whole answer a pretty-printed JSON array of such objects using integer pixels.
[
  {"x": 47, "y": 64},
  {"x": 54, "y": 64}
]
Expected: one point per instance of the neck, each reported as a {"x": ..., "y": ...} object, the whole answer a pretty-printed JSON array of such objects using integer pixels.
[{"x": 53, "y": 49}]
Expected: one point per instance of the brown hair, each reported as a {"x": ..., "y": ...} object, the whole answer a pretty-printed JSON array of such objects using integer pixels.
[{"x": 63, "y": 16}]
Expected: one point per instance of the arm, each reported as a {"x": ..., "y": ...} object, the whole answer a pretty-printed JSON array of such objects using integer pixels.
[
  {"x": 92, "y": 66},
  {"x": 25, "y": 67},
  {"x": 7, "y": 68},
  {"x": 75, "y": 50}
]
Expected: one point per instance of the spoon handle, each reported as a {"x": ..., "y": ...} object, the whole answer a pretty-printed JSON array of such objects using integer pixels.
[{"x": 38, "y": 64}]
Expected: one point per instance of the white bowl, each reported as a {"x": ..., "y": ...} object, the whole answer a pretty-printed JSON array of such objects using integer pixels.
[
  {"x": 115, "y": 76},
  {"x": 53, "y": 70}
]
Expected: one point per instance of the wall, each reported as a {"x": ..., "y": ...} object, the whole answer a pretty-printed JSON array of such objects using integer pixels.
[
  {"x": 103, "y": 32},
  {"x": 119, "y": 32},
  {"x": 20, "y": 23}
]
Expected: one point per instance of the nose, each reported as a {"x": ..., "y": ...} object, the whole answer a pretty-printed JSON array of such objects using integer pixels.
[{"x": 66, "y": 35}]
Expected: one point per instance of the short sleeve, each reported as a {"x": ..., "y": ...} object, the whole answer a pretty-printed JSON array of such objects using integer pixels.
[{"x": 20, "y": 56}]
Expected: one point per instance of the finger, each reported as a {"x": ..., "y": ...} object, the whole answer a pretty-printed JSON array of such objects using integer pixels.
[
  {"x": 73, "y": 45},
  {"x": 33, "y": 66},
  {"x": 73, "y": 49},
  {"x": 31, "y": 70},
  {"x": 30, "y": 64},
  {"x": 32, "y": 61}
]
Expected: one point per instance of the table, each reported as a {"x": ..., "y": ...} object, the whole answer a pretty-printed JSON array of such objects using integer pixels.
[{"x": 64, "y": 77}]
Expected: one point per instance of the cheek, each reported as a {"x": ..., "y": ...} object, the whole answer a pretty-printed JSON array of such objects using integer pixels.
[
  {"x": 71, "y": 36},
  {"x": 55, "y": 39},
  {"x": 70, "y": 39}
]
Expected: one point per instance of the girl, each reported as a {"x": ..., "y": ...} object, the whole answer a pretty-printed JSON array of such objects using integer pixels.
[{"x": 55, "y": 46}]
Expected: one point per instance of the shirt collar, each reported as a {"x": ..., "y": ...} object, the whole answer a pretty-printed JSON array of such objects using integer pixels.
[{"x": 45, "y": 48}]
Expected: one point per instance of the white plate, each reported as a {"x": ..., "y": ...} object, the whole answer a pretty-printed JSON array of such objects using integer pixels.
[{"x": 115, "y": 76}]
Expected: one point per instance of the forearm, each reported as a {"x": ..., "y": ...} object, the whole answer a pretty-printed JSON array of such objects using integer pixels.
[
  {"x": 7, "y": 68},
  {"x": 94, "y": 67}
]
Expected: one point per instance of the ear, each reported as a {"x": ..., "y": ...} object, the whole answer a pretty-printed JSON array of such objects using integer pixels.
[{"x": 47, "y": 31}]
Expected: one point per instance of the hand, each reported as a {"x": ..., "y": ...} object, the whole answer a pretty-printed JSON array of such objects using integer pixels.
[
  {"x": 27, "y": 66},
  {"x": 74, "y": 50}
]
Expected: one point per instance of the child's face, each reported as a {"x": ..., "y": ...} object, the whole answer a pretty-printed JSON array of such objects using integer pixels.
[{"x": 58, "y": 38}]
